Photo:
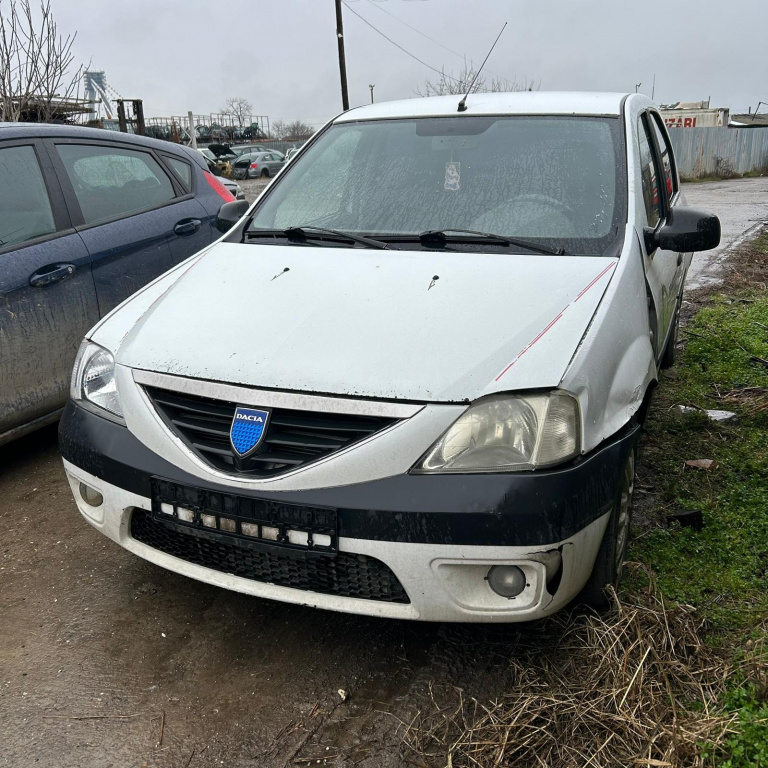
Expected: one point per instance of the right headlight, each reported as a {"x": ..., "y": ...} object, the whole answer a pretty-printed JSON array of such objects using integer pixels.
[
  {"x": 507, "y": 434},
  {"x": 93, "y": 381}
]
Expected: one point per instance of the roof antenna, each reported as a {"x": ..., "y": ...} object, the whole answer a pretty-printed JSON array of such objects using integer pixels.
[{"x": 463, "y": 102}]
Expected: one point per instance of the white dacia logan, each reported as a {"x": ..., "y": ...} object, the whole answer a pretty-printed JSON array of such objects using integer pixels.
[{"x": 408, "y": 381}]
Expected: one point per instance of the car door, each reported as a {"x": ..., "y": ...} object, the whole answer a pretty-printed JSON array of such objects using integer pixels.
[
  {"x": 135, "y": 218},
  {"x": 189, "y": 237},
  {"x": 664, "y": 270},
  {"x": 47, "y": 295},
  {"x": 275, "y": 164}
]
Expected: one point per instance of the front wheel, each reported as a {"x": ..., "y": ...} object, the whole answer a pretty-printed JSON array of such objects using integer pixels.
[{"x": 610, "y": 557}]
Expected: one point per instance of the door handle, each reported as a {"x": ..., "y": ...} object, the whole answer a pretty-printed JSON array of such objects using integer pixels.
[
  {"x": 679, "y": 259},
  {"x": 51, "y": 274},
  {"x": 187, "y": 227}
]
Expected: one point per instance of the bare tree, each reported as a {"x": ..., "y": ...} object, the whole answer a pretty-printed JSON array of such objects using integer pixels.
[
  {"x": 448, "y": 83},
  {"x": 35, "y": 63},
  {"x": 278, "y": 129},
  {"x": 298, "y": 130},
  {"x": 241, "y": 109},
  {"x": 283, "y": 131}
]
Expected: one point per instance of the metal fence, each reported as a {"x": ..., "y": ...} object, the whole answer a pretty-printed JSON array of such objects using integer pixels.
[{"x": 720, "y": 151}]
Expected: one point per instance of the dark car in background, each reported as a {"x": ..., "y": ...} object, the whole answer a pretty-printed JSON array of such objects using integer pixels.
[{"x": 87, "y": 217}]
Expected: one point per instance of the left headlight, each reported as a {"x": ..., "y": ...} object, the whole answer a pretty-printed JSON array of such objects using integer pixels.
[
  {"x": 93, "y": 381},
  {"x": 507, "y": 434}
]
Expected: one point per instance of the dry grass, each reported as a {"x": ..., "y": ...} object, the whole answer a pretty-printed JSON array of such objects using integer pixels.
[
  {"x": 633, "y": 688},
  {"x": 752, "y": 400}
]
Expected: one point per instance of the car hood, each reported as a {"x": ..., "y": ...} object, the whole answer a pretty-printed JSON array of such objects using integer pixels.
[{"x": 423, "y": 325}]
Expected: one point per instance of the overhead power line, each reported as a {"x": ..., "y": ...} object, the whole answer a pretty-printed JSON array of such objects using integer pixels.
[
  {"x": 397, "y": 45},
  {"x": 462, "y": 56},
  {"x": 418, "y": 31}
]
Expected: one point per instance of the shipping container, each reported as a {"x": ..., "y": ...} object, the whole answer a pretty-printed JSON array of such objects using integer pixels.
[{"x": 696, "y": 118}]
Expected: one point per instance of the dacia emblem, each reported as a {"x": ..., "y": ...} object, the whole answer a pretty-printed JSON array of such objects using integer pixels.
[{"x": 249, "y": 427}]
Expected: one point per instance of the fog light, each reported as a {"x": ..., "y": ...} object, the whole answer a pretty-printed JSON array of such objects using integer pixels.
[
  {"x": 90, "y": 495},
  {"x": 506, "y": 580}
]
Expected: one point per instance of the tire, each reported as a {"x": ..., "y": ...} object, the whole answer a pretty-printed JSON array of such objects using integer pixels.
[
  {"x": 264, "y": 172},
  {"x": 670, "y": 351},
  {"x": 610, "y": 557}
]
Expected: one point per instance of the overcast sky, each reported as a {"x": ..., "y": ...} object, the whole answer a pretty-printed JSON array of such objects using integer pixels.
[{"x": 281, "y": 55}]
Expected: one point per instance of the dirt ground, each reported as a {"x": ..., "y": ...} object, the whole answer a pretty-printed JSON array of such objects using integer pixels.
[{"x": 107, "y": 661}]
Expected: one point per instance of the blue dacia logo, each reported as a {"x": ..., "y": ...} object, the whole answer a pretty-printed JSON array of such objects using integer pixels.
[{"x": 248, "y": 429}]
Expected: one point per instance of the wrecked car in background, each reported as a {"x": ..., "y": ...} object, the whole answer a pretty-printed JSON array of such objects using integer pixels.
[
  {"x": 410, "y": 381},
  {"x": 257, "y": 164},
  {"x": 87, "y": 217}
]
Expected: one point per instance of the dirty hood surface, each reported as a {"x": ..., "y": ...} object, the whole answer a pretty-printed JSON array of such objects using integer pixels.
[{"x": 412, "y": 325}]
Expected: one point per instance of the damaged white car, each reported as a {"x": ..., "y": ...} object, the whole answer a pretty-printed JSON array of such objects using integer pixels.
[{"x": 409, "y": 381}]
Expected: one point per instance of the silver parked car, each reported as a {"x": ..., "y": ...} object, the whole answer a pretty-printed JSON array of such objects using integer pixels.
[
  {"x": 257, "y": 164},
  {"x": 249, "y": 149}
]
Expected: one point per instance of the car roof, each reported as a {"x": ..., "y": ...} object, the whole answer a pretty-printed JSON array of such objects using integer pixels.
[
  {"x": 517, "y": 103},
  {"x": 57, "y": 130}
]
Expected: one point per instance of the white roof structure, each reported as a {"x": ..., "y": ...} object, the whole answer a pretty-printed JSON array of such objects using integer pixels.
[{"x": 523, "y": 103}]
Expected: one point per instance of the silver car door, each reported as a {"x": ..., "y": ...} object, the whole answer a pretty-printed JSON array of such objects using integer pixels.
[{"x": 662, "y": 268}]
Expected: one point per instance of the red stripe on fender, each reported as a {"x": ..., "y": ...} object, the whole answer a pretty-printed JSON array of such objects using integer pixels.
[
  {"x": 531, "y": 343},
  {"x": 609, "y": 267}
]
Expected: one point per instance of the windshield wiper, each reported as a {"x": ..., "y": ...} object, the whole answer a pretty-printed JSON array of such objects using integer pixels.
[
  {"x": 440, "y": 237},
  {"x": 307, "y": 232}
]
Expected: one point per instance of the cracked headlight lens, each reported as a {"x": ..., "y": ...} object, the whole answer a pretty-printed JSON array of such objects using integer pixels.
[
  {"x": 93, "y": 381},
  {"x": 508, "y": 433}
]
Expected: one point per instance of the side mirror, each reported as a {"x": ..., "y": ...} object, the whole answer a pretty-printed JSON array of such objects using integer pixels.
[
  {"x": 686, "y": 230},
  {"x": 230, "y": 213}
]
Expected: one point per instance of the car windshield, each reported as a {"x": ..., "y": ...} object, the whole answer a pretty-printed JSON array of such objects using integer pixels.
[{"x": 549, "y": 179}]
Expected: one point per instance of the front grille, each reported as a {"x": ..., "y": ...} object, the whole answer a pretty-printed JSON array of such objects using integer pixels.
[
  {"x": 346, "y": 575},
  {"x": 293, "y": 438}
]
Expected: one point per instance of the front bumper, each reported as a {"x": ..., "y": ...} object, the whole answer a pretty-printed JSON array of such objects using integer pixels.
[{"x": 439, "y": 535}]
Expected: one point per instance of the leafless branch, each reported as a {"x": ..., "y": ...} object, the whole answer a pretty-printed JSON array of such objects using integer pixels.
[{"x": 36, "y": 62}]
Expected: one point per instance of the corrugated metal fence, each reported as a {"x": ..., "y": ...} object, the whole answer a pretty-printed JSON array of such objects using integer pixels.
[
  {"x": 719, "y": 151},
  {"x": 282, "y": 146}
]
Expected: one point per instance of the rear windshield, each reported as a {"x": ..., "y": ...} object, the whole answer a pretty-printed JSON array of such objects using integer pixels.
[{"x": 552, "y": 179}]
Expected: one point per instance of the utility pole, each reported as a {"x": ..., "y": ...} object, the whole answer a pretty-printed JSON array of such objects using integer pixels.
[
  {"x": 342, "y": 61},
  {"x": 372, "y": 87}
]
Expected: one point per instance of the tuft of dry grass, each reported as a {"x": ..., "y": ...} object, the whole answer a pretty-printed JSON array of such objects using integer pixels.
[
  {"x": 752, "y": 400},
  {"x": 635, "y": 687}
]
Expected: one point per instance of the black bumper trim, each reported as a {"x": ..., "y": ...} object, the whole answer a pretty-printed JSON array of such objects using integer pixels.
[{"x": 505, "y": 509}]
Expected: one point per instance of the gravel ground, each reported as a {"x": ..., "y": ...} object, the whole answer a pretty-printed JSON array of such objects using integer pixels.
[
  {"x": 252, "y": 188},
  {"x": 109, "y": 661}
]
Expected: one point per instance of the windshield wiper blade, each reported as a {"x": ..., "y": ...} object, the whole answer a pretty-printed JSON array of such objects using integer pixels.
[
  {"x": 306, "y": 232},
  {"x": 440, "y": 237}
]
